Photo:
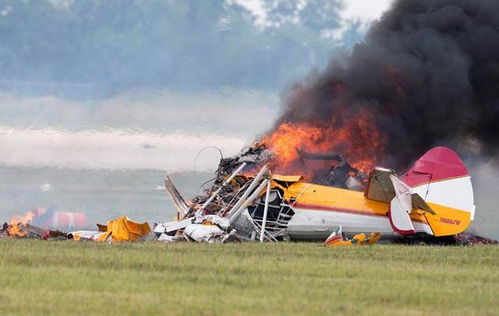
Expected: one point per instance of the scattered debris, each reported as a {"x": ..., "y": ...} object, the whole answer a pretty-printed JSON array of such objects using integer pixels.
[
  {"x": 201, "y": 228},
  {"x": 120, "y": 229},
  {"x": 236, "y": 208},
  {"x": 467, "y": 239},
  {"x": 261, "y": 206},
  {"x": 337, "y": 239},
  {"x": 26, "y": 230},
  {"x": 247, "y": 202},
  {"x": 255, "y": 155}
]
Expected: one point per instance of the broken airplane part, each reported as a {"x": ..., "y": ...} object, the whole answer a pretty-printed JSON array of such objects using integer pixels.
[{"x": 434, "y": 197}]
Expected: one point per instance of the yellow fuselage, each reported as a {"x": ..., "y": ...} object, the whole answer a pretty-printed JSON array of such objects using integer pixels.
[{"x": 353, "y": 209}]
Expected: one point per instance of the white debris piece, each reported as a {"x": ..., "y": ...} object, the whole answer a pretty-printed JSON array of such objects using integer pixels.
[
  {"x": 221, "y": 222},
  {"x": 85, "y": 235},
  {"x": 173, "y": 226},
  {"x": 203, "y": 233},
  {"x": 159, "y": 228},
  {"x": 167, "y": 238}
]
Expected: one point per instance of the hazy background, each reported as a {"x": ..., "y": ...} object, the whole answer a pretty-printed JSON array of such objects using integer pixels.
[{"x": 100, "y": 98}]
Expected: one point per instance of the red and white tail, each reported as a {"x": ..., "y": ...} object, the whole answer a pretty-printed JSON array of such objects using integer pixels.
[{"x": 443, "y": 181}]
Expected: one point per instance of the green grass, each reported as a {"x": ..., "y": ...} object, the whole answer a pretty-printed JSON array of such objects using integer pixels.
[{"x": 62, "y": 277}]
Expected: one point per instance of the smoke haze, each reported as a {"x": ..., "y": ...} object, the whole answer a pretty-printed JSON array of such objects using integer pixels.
[
  {"x": 427, "y": 70},
  {"x": 245, "y": 112},
  {"x": 112, "y": 149}
]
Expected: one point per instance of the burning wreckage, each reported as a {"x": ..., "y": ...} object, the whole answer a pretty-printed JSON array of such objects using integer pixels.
[
  {"x": 120, "y": 229},
  {"x": 432, "y": 202},
  {"x": 241, "y": 206},
  {"x": 26, "y": 230}
]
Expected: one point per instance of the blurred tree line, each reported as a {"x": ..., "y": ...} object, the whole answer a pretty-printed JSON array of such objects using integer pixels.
[{"x": 184, "y": 44}]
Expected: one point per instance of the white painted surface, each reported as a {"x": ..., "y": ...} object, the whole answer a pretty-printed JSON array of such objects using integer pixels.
[
  {"x": 399, "y": 216},
  {"x": 318, "y": 223},
  {"x": 455, "y": 193}
]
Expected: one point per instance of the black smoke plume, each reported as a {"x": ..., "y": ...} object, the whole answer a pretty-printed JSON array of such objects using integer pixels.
[{"x": 428, "y": 70}]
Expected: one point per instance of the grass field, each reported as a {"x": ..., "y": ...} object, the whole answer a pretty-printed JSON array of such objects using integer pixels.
[{"x": 60, "y": 277}]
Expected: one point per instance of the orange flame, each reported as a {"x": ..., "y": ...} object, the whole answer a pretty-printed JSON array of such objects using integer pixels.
[
  {"x": 17, "y": 227},
  {"x": 357, "y": 138}
]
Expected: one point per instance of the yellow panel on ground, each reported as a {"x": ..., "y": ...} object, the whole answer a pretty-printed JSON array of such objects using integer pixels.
[{"x": 124, "y": 229}]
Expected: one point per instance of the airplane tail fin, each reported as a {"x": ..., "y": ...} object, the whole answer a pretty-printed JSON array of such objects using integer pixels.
[{"x": 442, "y": 180}]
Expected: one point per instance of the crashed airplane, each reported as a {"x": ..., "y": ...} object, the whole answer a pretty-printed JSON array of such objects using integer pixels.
[{"x": 434, "y": 198}]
